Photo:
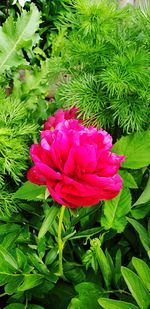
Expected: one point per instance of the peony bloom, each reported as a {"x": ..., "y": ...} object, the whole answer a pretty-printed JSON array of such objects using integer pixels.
[
  {"x": 59, "y": 116},
  {"x": 76, "y": 165}
]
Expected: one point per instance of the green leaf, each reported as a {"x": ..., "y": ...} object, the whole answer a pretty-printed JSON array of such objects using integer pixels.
[
  {"x": 17, "y": 35},
  {"x": 128, "y": 179},
  {"x": 10, "y": 239},
  {"x": 8, "y": 258},
  {"x": 142, "y": 270},
  {"x": 143, "y": 235},
  {"x": 117, "y": 271},
  {"x": 89, "y": 293},
  {"x": 102, "y": 261},
  {"x": 21, "y": 259},
  {"x": 13, "y": 284},
  {"x": 136, "y": 149},
  {"x": 136, "y": 287},
  {"x": 38, "y": 263},
  {"x": 15, "y": 306},
  {"x": 115, "y": 210},
  {"x": 48, "y": 221},
  {"x": 32, "y": 306},
  {"x": 30, "y": 281},
  {"x": 51, "y": 255},
  {"x": 30, "y": 192},
  {"x": 140, "y": 211},
  {"x": 115, "y": 304},
  {"x": 73, "y": 272},
  {"x": 87, "y": 233},
  {"x": 145, "y": 196},
  {"x": 9, "y": 228}
]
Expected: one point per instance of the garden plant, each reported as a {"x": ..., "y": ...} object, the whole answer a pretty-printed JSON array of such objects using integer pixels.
[{"x": 74, "y": 155}]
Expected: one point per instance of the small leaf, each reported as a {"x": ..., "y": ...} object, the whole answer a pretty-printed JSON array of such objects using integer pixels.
[
  {"x": 143, "y": 235},
  {"x": 9, "y": 228},
  {"x": 8, "y": 258},
  {"x": 74, "y": 273},
  {"x": 30, "y": 281},
  {"x": 21, "y": 259},
  {"x": 88, "y": 233},
  {"x": 115, "y": 304},
  {"x": 30, "y": 192},
  {"x": 115, "y": 211},
  {"x": 13, "y": 284},
  {"x": 128, "y": 179},
  {"x": 48, "y": 221},
  {"x": 136, "y": 149},
  {"x": 136, "y": 287},
  {"x": 89, "y": 293},
  {"x": 102, "y": 261},
  {"x": 143, "y": 271},
  {"x": 145, "y": 196},
  {"x": 140, "y": 211},
  {"x": 51, "y": 255}
]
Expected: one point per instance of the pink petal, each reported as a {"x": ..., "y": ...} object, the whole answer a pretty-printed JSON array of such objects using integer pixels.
[
  {"x": 47, "y": 172},
  {"x": 34, "y": 176}
]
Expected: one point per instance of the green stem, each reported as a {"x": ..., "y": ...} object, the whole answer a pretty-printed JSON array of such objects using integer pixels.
[{"x": 60, "y": 242}]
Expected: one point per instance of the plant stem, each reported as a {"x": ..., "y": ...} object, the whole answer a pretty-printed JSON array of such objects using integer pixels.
[{"x": 60, "y": 242}]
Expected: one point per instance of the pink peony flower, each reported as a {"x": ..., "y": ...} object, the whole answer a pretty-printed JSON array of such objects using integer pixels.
[
  {"x": 76, "y": 165},
  {"x": 59, "y": 116}
]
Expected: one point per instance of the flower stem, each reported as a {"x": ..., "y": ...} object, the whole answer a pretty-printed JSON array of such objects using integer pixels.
[{"x": 60, "y": 242}]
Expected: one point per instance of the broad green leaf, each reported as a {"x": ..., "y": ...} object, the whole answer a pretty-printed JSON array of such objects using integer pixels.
[
  {"x": 73, "y": 272},
  {"x": 128, "y": 179},
  {"x": 10, "y": 238},
  {"x": 136, "y": 287},
  {"x": 30, "y": 192},
  {"x": 136, "y": 149},
  {"x": 43, "y": 289},
  {"x": 30, "y": 281},
  {"x": 140, "y": 211},
  {"x": 13, "y": 284},
  {"x": 48, "y": 221},
  {"x": 89, "y": 293},
  {"x": 6, "y": 277},
  {"x": 115, "y": 304},
  {"x": 145, "y": 196},
  {"x": 8, "y": 258},
  {"x": 142, "y": 270},
  {"x": 38, "y": 263},
  {"x": 17, "y": 35},
  {"x": 115, "y": 210},
  {"x": 143, "y": 235}
]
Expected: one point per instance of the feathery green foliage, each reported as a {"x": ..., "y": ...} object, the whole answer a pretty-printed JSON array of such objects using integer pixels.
[{"x": 107, "y": 57}]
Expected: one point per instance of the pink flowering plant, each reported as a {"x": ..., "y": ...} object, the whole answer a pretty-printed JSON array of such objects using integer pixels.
[{"x": 76, "y": 165}]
